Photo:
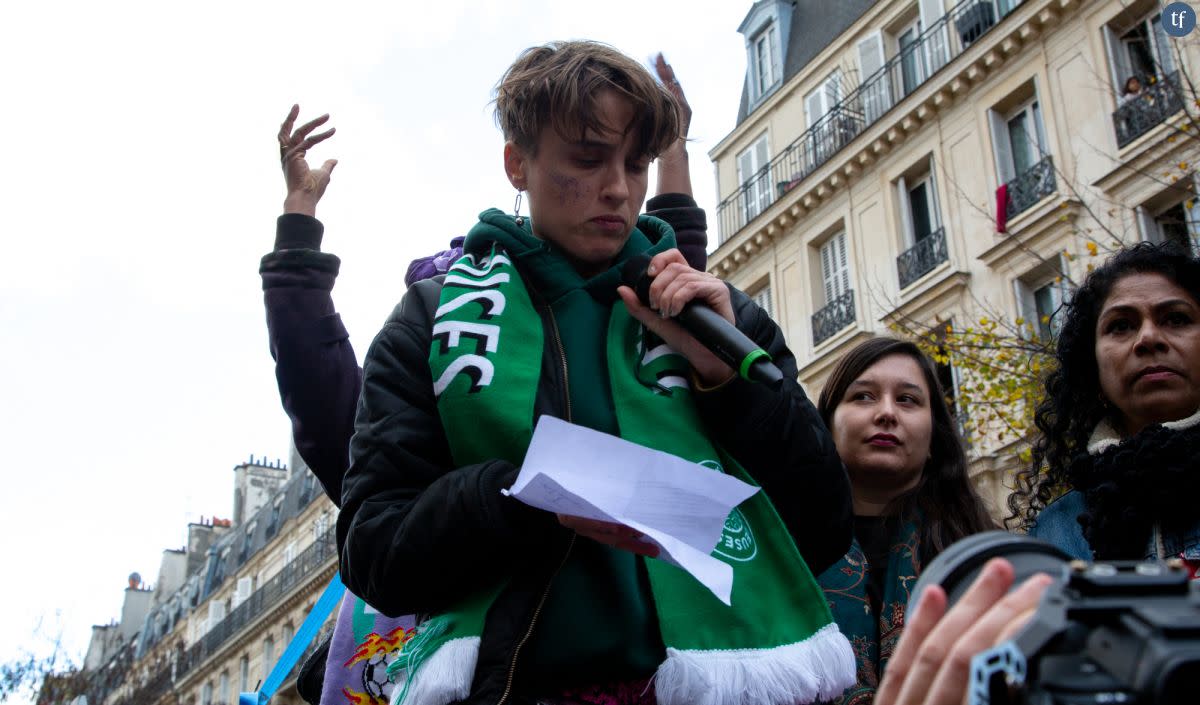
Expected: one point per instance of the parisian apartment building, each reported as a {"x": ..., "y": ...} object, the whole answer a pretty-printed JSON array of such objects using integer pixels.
[
  {"x": 925, "y": 160},
  {"x": 225, "y": 605}
]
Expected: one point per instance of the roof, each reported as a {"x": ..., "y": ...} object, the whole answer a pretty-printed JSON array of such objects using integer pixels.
[{"x": 815, "y": 24}]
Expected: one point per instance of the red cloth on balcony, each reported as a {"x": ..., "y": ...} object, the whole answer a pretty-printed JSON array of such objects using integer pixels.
[{"x": 1002, "y": 208}]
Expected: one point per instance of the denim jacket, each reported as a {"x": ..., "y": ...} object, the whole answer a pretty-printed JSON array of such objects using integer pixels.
[{"x": 1057, "y": 524}]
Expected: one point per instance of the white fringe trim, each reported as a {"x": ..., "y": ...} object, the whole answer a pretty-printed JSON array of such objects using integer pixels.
[
  {"x": 818, "y": 668},
  {"x": 444, "y": 678}
]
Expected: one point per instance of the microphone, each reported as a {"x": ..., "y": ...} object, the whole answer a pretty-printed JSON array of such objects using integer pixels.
[{"x": 715, "y": 333}]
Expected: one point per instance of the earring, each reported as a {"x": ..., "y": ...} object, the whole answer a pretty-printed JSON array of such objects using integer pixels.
[{"x": 517, "y": 209}]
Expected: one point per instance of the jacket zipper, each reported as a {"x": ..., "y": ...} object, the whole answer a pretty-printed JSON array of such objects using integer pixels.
[{"x": 512, "y": 667}]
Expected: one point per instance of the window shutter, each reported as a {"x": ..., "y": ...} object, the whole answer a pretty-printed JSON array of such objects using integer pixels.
[
  {"x": 827, "y": 271},
  {"x": 937, "y": 46},
  {"x": 243, "y": 591},
  {"x": 773, "y": 46},
  {"x": 1001, "y": 148},
  {"x": 1149, "y": 228},
  {"x": 842, "y": 263},
  {"x": 1162, "y": 48},
  {"x": 876, "y": 89},
  {"x": 910, "y": 237},
  {"x": 763, "y": 299},
  {"x": 814, "y": 106},
  {"x": 1118, "y": 60}
]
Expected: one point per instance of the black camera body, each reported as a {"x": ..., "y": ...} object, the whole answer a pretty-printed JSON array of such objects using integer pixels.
[{"x": 1113, "y": 633}]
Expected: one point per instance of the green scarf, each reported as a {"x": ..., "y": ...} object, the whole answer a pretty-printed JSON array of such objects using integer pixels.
[
  {"x": 777, "y": 644},
  {"x": 872, "y": 635}
]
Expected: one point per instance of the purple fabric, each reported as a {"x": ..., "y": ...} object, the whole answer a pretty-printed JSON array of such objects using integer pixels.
[
  {"x": 433, "y": 265},
  {"x": 356, "y": 672}
]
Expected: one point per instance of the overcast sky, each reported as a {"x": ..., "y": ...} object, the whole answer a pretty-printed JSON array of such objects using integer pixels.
[{"x": 139, "y": 186}]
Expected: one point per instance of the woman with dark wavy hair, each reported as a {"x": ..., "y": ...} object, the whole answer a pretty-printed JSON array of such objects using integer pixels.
[
  {"x": 909, "y": 488},
  {"x": 1120, "y": 423}
]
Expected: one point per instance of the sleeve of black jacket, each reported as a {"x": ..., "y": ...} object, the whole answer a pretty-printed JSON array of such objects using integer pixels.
[
  {"x": 415, "y": 532},
  {"x": 689, "y": 223},
  {"x": 315, "y": 365},
  {"x": 779, "y": 438}
]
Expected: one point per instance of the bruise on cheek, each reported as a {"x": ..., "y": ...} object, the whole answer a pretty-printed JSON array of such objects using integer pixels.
[{"x": 567, "y": 188}]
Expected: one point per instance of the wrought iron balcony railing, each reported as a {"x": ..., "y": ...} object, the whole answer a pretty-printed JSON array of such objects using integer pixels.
[
  {"x": 914, "y": 64},
  {"x": 1138, "y": 115},
  {"x": 1031, "y": 186},
  {"x": 835, "y": 316},
  {"x": 921, "y": 258}
]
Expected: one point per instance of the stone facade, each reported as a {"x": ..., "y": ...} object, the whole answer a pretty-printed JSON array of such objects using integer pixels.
[{"x": 861, "y": 186}]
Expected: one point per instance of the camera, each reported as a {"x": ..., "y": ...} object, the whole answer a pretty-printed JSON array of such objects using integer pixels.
[{"x": 1113, "y": 633}]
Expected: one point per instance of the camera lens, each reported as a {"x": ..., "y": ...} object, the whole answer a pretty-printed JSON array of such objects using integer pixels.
[{"x": 957, "y": 567}]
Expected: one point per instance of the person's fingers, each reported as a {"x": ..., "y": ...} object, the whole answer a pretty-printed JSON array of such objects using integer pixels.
[
  {"x": 285, "y": 129},
  {"x": 929, "y": 610},
  {"x": 302, "y": 131},
  {"x": 600, "y": 528},
  {"x": 328, "y": 166},
  {"x": 688, "y": 287},
  {"x": 993, "y": 582},
  {"x": 951, "y": 681},
  {"x": 308, "y": 142}
]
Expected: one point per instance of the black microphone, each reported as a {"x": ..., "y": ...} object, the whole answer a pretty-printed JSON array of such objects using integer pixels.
[{"x": 720, "y": 336}]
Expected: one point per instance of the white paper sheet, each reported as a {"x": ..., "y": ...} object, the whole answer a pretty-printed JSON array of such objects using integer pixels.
[{"x": 678, "y": 505}]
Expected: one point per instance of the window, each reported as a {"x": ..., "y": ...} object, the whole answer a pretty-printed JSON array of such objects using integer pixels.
[
  {"x": 320, "y": 526},
  {"x": 1141, "y": 49},
  {"x": 247, "y": 540},
  {"x": 762, "y": 297},
  {"x": 288, "y": 632},
  {"x": 1019, "y": 140},
  {"x": 764, "y": 64},
  {"x": 876, "y": 89},
  {"x": 223, "y": 688},
  {"x": 289, "y": 552},
  {"x": 918, "y": 206},
  {"x": 206, "y": 693},
  {"x": 1040, "y": 294},
  {"x": 268, "y": 655},
  {"x": 754, "y": 176},
  {"x": 1179, "y": 222},
  {"x": 244, "y": 674},
  {"x": 276, "y": 513},
  {"x": 835, "y": 269},
  {"x": 822, "y": 99},
  {"x": 826, "y": 134},
  {"x": 912, "y": 58}
]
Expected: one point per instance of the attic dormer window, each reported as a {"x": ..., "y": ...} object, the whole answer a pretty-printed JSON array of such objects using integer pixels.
[{"x": 764, "y": 60}]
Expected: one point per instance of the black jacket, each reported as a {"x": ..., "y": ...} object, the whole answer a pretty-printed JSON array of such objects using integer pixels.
[{"x": 416, "y": 533}]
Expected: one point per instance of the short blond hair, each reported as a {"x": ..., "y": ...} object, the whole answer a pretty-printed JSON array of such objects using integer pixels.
[{"x": 557, "y": 85}]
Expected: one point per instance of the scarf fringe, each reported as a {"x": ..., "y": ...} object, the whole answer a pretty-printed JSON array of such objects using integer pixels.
[
  {"x": 818, "y": 668},
  {"x": 444, "y": 678}
]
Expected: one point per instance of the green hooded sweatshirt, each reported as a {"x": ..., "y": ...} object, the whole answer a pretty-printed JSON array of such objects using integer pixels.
[{"x": 598, "y": 622}]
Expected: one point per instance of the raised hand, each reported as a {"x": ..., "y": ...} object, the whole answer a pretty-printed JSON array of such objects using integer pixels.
[
  {"x": 305, "y": 185},
  {"x": 666, "y": 74}
]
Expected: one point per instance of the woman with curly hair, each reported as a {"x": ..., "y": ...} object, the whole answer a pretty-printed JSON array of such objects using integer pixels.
[
  {"x": 1120, "y": 423},
  {"x": 909, "y": 488}
]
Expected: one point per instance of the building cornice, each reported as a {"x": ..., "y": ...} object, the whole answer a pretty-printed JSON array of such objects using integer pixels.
[
  {"x": 1038, "y": 232},
  {"x": 941, "y": 297},
  {"x": 1145, "y": 155},
  {"x": 997, "y": 49}
]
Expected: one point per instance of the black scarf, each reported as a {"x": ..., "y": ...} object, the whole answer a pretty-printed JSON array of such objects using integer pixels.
[{"x": 1151, "y": 477}]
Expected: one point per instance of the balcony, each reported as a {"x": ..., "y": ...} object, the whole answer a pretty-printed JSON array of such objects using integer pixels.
[
  {"x": 835, "y": 316},
  {"x": 1157, "y": 102},
  {"x": 921, "y": 258},
  {"x": 944, "y": 40},
  {"x": 1031, "y": 186}
]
